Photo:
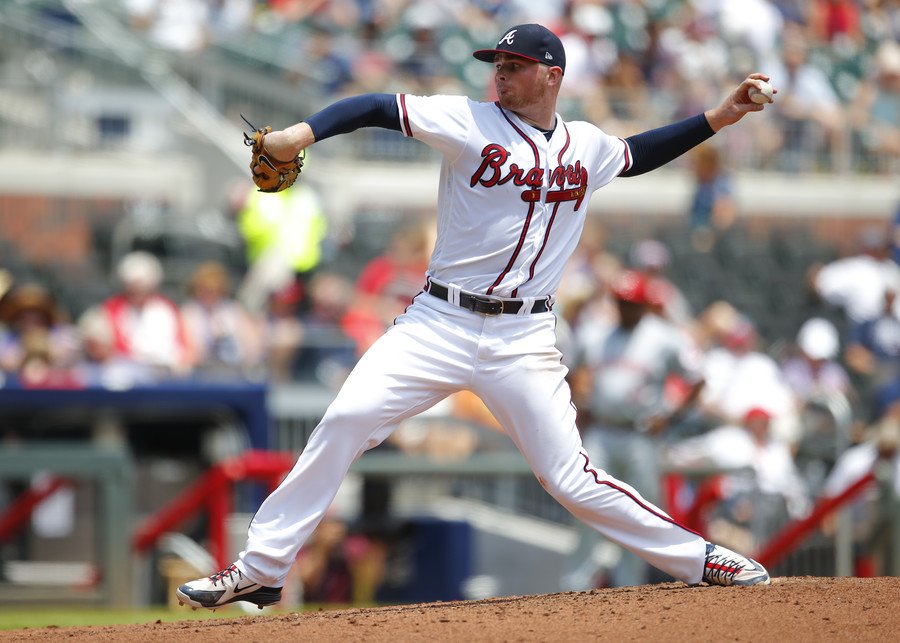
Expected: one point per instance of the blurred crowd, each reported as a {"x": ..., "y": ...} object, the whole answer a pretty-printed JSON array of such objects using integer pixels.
[
  {"x": 659, "y": 386},
  {"x": 631, "y": 65},
  {"x": 292, "y": 315},
  {"x": 283, "y": 315}
]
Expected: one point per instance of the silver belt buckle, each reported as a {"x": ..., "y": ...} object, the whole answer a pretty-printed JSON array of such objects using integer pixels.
[{"x": 487, "y": 306}]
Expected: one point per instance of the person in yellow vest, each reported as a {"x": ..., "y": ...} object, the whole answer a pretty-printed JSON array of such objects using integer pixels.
[{"x": 283, "y": 232}]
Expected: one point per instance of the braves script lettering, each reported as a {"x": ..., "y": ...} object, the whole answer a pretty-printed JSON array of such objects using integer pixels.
[{"x": 493, "y": 171}]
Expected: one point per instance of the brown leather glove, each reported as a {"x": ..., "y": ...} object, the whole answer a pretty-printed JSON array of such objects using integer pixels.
[{"x": 268, "y": 173}]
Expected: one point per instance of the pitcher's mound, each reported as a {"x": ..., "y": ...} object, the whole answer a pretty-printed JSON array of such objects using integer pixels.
[{"x": 789, "y": 610}]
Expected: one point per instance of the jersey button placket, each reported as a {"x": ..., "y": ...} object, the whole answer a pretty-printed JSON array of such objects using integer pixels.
[{"x": 542, "y": 213}]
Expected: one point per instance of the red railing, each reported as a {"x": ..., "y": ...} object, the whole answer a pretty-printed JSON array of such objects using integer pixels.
[
  {"x": 19, "y": 512},
  {"x": 794, "y": 533},
  {"x": 213, "y": 493},
  {"x": 708, "y": 493}
]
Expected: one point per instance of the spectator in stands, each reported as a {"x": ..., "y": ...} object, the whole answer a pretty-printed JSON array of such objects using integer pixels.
[
  {"x": 760, "y": 485},
  {"x": 226, "y": 338},
  {"x": 835, "y": 21},
  {"x": 324, "y": 52},
  {"x": 811, "y": 116},
  {"x": 873, "y": 347},
  {"x": 425, "y": 65},
  {"x": 652, "y": 258},
  {"x": 582, "y": 293},
  {"x": 284, "y": 234},
  {"x": 175, "y": 25},
  {"x": 713, "y": 205},
  {"x": 38, "y": 369},
  {"x": 324, "y": 564},
  {"x": 756, "y": 24},
  {"x": 586, "y": 34},
  {"x": 815, "y": 372},
  {"x": 794, "y": 11},
  {"x": 327, "y": 352},
  {"x": 373, "y": 69},
  {"x": 100, "y": 364},
  {"x": 229, "y": 19},
  {"x": 36, "y": 340},
  {"x": 879, "y": 21},
  {"x": 387, "y": 283},
  {"x": 858, "y": 283},
  {"x": 740, "y": 377},
  {"x": 148, "y": 326},
  {"x": 623, "y": 98},
  {"x": 713, "y": 324},
  {"x": 875, "y": 112},
  {"x": 293, "y": 11},
  {"x": 282, "y": 332},
  {"x": 620, "y": 380},
  {"x": 701, "y": 58}
]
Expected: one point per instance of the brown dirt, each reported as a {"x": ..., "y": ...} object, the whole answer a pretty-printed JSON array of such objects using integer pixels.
[{"x": 804, "y": 609}]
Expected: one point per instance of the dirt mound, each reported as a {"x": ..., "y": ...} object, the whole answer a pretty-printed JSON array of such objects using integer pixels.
[{"x": 804, "y": 609}]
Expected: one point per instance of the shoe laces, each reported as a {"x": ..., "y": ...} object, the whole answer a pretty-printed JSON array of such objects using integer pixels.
[
  {"x": 219, "y": 577},
  {"x": 723, "y": 568}
]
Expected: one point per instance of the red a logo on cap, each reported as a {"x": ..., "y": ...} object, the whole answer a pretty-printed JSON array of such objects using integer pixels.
[{"x": 508, "y": 38}]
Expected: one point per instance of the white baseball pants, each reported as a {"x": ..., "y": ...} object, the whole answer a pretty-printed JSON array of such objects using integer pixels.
[{"x": 512, "y": 363}]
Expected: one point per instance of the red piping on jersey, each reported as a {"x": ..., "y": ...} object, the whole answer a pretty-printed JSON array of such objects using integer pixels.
[
  {"x": 661, "y": 516},
  {"x": 537, "y": 164},
  {"x": 627, "y": 156},
  {"x": 405, "y": 124},
  {"x": 559, "y": 157}
]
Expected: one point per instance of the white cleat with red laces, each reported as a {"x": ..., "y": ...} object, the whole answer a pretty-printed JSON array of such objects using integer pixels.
[
  {"x": 227, "y": 586},
  {"x": 725, "y": 567}
]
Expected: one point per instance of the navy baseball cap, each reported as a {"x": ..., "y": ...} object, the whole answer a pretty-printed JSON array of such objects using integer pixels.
[{"x": 530, "y": 41}]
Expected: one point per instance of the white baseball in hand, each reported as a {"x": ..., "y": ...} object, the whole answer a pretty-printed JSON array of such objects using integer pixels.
[{"x": 761, "y": 96}]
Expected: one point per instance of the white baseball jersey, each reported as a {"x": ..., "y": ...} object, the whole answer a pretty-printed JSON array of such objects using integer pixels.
[{"x": 511, "y": 204}]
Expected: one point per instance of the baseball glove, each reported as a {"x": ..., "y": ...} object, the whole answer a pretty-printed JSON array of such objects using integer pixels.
[{"x": 270, "y": 174}]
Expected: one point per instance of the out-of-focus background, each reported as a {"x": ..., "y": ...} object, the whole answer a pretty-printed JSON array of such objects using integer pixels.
[{"x": 169, "y": 337}]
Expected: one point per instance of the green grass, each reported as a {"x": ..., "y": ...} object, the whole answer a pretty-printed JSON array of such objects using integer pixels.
[{"x": 14, "y": 618}]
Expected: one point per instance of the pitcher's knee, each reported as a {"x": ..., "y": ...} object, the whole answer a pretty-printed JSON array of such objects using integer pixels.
[
  {"x": 363, "y": 425},
  {"x": 353, "y": 416}
]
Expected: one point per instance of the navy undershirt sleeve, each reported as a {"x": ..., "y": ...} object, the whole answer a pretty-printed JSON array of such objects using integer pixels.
[
  {"x": 656, "y": 147},
  {"x": 349, "y": 114}
]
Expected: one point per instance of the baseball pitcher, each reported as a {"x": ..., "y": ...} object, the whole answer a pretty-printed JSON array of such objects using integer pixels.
[{"x": 515, "y": 184}]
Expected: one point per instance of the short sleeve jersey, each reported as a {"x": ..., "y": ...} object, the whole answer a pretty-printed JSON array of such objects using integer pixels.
[{"x": 511, "y": 204}]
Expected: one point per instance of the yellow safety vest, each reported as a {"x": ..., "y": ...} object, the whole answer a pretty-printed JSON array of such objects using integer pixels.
[{"x": 293, "y": 219}]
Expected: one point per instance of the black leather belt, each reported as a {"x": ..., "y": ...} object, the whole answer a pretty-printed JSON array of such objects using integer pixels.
[{"x": 486, "y": 305}]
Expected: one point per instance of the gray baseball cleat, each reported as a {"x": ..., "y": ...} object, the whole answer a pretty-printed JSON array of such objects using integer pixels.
[
  {"x": 725, "y": 567},
  {"x": 226, "y": 586}
]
